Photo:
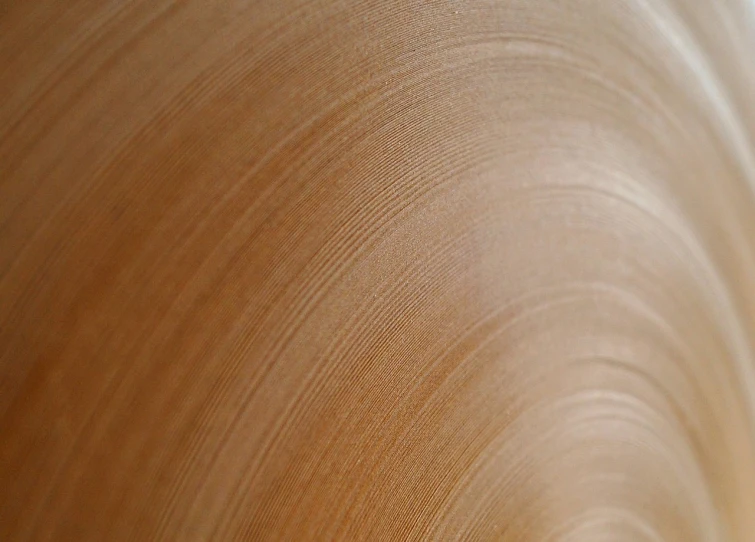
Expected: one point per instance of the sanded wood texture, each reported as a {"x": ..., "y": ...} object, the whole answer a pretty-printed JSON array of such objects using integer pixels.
[{"x": 377, "y": 270}]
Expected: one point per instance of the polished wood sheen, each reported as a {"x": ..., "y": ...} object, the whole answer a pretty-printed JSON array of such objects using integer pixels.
[{"x": 377, "y": 270}]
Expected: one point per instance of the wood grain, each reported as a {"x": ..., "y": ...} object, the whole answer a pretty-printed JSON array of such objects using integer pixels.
[{"x": 373, "y": 270}]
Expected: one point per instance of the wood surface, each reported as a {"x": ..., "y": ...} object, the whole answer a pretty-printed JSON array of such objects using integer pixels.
[{"x": 377, "y": 270}]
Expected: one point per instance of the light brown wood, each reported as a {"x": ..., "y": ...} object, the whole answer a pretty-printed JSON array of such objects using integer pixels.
[{"x": 371, "y": 270}]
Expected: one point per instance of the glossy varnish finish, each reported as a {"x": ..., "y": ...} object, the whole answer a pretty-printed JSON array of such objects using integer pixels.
[{"x": 355, "y": 270}]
